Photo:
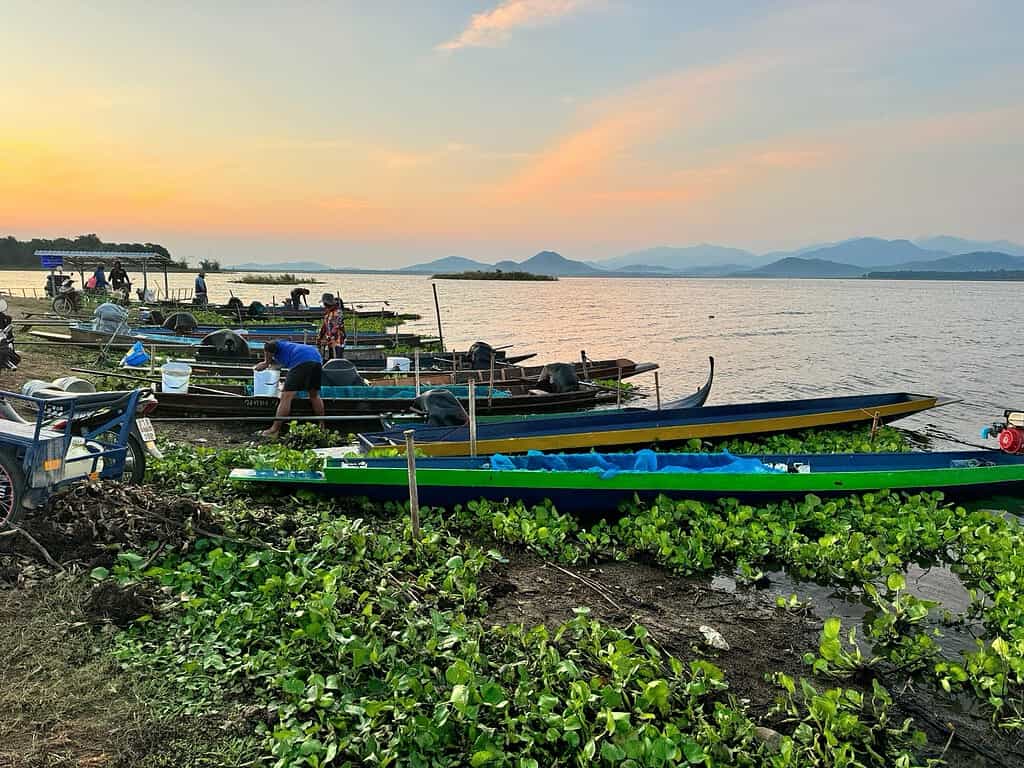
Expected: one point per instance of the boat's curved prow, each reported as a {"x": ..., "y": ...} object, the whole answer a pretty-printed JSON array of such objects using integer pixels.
[{"x": 698, "y": 398}]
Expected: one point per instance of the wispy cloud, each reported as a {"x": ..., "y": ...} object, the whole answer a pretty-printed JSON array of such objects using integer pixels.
[{"x": 493, "y": 26}]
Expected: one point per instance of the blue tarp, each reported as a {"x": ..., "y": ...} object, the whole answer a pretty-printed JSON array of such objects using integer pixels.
[
  {"x": 396, "y": 393},
  {"x": 610, "y": 464}
]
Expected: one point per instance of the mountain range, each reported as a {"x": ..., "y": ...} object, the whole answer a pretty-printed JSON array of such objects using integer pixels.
[{"x": 848, "y": 258}]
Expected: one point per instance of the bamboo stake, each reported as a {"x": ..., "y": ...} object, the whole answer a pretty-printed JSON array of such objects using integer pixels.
[
  {"x": 414, "y": 497},
  {"x": 618, "y": 389},
  {"x": 657, "y": 390},
  {"x": 490, "y": 386},
  {"x": 416, "y": 357},
  {"x": 437, "y": 309},
  {"x": 472, "y": 418}
]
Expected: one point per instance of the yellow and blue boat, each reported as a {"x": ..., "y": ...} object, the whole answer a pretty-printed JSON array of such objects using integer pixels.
[{"x": 645, "y": 427}]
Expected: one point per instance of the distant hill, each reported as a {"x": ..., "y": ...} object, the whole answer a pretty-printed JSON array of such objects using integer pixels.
[
  {"x": 551, "y": 263},
  {"x": 682, "y": 259},
  {"x": 281, "y": 266},
  {"x": 449, "y": 264},
  {"x": 958, "y": 245},
  {"x": 979, "y": 261},
  {"x": 645, "y": 268},
  {"x": 873, "y": 252},
  {"x": 796, "y": 266}
]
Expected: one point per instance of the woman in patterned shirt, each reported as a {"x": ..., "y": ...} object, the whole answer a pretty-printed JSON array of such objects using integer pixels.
[{"x": 332, "y": 331}]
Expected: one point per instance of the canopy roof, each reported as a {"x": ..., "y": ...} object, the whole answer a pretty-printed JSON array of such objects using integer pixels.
[{"x": 78, "y": 259}]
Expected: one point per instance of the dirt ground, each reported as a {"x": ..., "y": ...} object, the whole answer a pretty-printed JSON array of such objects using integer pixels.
[{"x": 760, "y": 637}]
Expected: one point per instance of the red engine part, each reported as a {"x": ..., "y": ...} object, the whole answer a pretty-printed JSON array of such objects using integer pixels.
[{"x": 1011, "y": 440}]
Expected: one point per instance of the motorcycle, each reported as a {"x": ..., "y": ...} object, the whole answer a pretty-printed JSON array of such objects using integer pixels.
[
  {"x": 68, "y": 299},
  {"x": 9, "y": 357},
  {"x": 73, "y": 437}
]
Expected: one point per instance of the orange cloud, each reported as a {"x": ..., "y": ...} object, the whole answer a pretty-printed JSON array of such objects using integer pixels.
[
  {"x": 638, "y": 117},
  {"x": 492, "y": 26}
]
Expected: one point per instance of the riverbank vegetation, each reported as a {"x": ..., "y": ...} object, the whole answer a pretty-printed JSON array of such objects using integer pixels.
[
  {"x": 495, "y": 275},
  {"x": 320, "y": 632}
]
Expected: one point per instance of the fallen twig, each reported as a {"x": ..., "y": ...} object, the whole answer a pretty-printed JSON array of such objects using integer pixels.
[
  {"x": 40, "y": 547},
  {"x": 586, "y": 582}
]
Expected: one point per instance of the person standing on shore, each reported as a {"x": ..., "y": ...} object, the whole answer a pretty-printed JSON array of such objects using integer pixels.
[
  {"x": 331, "y": 338},
  {"x": 200, "y": 293},
  {"x": 305, "y": 367}
]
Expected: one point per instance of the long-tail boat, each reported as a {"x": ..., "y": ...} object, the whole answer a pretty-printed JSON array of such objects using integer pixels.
[
  {"x": 375, "y": 401},
  {"x": 597, "y": 483},
  {"x": 669, "y": 426}
]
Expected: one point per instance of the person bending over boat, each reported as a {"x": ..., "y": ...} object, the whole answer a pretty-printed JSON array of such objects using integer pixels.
[
  {"x": 305, "y": 367},
  {"x": 299, "y": 297}
]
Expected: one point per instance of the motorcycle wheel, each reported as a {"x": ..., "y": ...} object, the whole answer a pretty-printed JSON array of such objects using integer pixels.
[
  {"x": 12, "y": 488},
  {"x": 62, "y": 306},
  {"x": 134, "y": 458}
]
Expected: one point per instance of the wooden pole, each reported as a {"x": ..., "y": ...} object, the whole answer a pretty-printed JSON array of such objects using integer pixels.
[
  {"x": 472, "y": 417},
  {"x": 490, "y": 386},
  {"x": 437, "y": 310},
  {"x": 416, "y": 358},
  {"x": 586, "y": 368},
  {"x": 618, "y": 389},
  {"x": 414, "y": 497},
  {"x": 657, "y": 390}
]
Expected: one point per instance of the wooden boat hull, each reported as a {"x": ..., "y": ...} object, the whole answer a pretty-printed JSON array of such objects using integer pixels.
[
  {"x": 190, "y": 404},
  {"x": 643, "y": 427},
  {"x": 156, "y": 336},
  {"x": 445, "y": 482}
]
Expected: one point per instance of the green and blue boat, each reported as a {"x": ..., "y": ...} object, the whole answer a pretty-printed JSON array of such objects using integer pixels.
[{"x": 592, "y": 483}]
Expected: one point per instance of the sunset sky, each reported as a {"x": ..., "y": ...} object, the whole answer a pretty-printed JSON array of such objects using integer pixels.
[{"x": 381, "y": 133}]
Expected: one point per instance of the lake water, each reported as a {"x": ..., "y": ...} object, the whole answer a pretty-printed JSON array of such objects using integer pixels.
[{"x": 770, "y": 338}]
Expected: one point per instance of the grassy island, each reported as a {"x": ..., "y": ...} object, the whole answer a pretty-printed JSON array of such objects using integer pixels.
[
  {"x": 496, "y": 275},
  {"x": 286, "y": 279}
]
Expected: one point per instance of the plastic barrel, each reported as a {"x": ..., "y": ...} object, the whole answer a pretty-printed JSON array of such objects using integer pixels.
[{"x": 73, "y": 384}]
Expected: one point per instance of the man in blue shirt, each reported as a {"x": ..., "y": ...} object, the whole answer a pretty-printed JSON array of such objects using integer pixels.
[
  {"x": 305, "y": 366},
  {"x": 200, "y": 297}
]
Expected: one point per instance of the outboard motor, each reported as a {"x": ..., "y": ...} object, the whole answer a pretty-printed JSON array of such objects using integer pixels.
[
  {"x": 181, "y": 322},
  {"x": 1010, "y": 433},
  {"x": 156, "y": 317},
  {"x": 441, "y": 408},
  {"x": 235, "y": 304},
  {"x": 559, "y": 377},
  {"x": 257, "y": 310},
  {"x": 226, "y": 343},
  {"x": 480, "y": 356},
  {"x": 341, "y": 373},
  {"x": 109, "y": 318}
]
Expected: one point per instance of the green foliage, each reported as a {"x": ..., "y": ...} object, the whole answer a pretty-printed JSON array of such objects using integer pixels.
[
  {"x": 308, "y": 435},
  {"x": 18, "y": 253},
  {"x": 854, "y": 440},
  {"x": 843, "y": 727}
]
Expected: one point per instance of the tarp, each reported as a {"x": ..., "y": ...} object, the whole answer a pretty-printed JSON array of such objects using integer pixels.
[{"x": 609, "y": 465}]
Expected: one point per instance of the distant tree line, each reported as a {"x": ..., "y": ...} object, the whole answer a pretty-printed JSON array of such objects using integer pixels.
[{"x": 19, "y": 253}]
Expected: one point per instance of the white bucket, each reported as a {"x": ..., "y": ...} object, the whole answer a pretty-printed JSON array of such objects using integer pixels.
[
  {"x": 174, "y": 377},
  {"x": 30, "y": 387},
  {"x": 73, "y": 384},
  {"x": 398, "y": 363},
  {"x": 264, "y": 383}
]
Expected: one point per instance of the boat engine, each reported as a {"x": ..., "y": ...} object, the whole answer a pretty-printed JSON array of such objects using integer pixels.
[
  {"x": 480, "y": 356},
  {"x": 441, "y": 408},
  {"x": 181, "y": 322},
  {"x": 225, "y": 343},
  {"x": 558, "y": 377},
  {"x": 1009, "y": 434}
]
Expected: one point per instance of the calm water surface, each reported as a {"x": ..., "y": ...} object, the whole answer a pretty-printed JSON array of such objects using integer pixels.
[{"x": 770, "y": 338}]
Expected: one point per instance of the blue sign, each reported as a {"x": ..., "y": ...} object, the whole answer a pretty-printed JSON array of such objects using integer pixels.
[{"x": 51, "y": 262}]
